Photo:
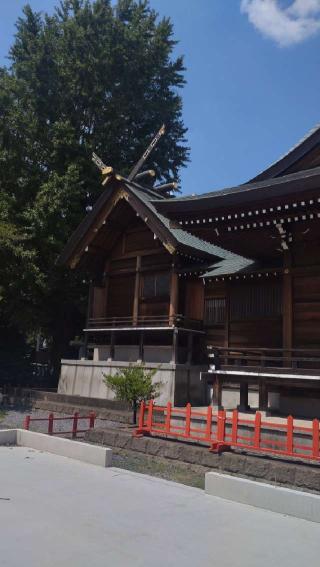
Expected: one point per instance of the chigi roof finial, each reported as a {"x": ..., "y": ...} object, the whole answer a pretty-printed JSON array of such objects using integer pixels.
[{"x": 106, "y": 170}]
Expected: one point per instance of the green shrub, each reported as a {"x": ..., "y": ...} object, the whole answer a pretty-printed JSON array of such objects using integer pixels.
[{"x": 133, "y": 384}]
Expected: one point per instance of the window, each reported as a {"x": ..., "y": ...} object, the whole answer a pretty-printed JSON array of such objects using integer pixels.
[
  {"x": 255, "y": 302},
  {"x": 156, "y": 285},
  {"x": 215, "y": 311}
]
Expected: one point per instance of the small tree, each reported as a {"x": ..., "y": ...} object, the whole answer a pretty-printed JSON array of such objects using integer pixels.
[{"x": 133, "y": 384}]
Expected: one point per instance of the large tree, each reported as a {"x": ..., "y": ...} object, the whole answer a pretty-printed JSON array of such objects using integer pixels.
[{"x": 94, "y": 76}]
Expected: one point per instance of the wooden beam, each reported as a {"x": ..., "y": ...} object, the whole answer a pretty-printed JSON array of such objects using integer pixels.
[{"x": 146, "y": 252}]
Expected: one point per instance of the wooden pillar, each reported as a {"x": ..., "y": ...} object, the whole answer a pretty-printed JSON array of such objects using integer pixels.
[
  {"x": 190, "y": 349},
  {"x": 135, "y": 313},
  {"x": 112, "y": 342},
  {"x": 227, "y": 319},
  {"x": 263, "y": 395},
  {"x": 174, "y": 287},
  {"x": 90, "y": 303},
  {"x": 217, "y": 391},
  {"x": 141, "y": 349},
  {"x": 287, "y": 308},
  {"x": 89, "y": 314},
  {"x": 174, "y": 357},
  {"x": 106, "y": 286},
  {"x": 244, "y": 397}
]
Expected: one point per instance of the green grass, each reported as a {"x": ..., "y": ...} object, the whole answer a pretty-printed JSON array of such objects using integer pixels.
[{"x": 2, "y": 414}]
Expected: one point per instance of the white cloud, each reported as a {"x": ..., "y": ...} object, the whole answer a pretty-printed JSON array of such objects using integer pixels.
[{"x": 285, "y": 24}]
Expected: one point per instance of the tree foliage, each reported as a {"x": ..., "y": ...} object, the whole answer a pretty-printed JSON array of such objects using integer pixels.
[
  {"x": 133, "y": 385},
  {"x": 93, "y": 76}
]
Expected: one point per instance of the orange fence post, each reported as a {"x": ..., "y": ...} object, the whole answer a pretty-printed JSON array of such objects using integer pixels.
[
  {"x": 50, "y": 423},
  {"x": 75, "y": 424},
  {"x": 26, "y": 423},
  {"x": 234, "y": 430},
  {"x": 168, "y": 418},
  {"x": 221, "y": 426},
  {"x": 290, "y": 434},
  {"x": 150, "y": 413},
  {"x": 188, "y": 420},
  {"x": 141, "y": 415},
  {"x": 315, "y": 438},
  {"x": 209, "y": 423},
  {"x": 92, "y": 417},
  {"x": 257, "y": 430},
  {"x": 219, "y": 444}
]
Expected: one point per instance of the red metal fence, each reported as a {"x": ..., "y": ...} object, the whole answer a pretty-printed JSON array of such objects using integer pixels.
[
  {"x": 75, "y": 418},
  {"x": 222, "y": 432}
]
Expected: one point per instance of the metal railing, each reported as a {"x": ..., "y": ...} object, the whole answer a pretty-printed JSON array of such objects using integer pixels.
[{"x": 222, "y": 432}]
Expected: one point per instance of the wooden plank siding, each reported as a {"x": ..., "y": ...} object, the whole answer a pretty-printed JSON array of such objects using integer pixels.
[
  {"x": 306, "y": 311},
  {"x": 135, "y": 254},
  {"x": 194, "y": 299},
  {"x": 242, "y": 327}
]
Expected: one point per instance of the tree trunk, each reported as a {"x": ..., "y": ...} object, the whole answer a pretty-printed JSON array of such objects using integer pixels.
[{"x": 134, "y": 417}]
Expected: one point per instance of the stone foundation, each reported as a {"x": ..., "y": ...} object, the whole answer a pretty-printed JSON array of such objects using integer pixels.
[{"x": 290, "y": 473}]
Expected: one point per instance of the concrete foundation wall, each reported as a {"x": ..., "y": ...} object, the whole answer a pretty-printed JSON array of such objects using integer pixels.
[
  {"x": 130, "y": 353},
  {"x": 261, "y": 495},
  {"x": 85, "y": 452},
  {"x": 85, "y": 378}
]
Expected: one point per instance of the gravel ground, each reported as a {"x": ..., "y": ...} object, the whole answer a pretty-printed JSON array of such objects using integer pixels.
[{"x": 14, "y": 418}]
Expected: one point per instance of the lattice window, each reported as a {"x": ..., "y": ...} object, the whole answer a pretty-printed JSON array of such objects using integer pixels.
[
  {"x": 215, "y": 311},
  {"x": 156, "y": 285},
  {"x": 255, "y": 302}
]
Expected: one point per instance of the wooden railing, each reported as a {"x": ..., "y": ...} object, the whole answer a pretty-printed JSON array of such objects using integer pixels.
[
  {"x": 221, "y": 431},
  {"x": 89, "y": 421},
  {"x": 295, "y": 360},
  {"x": 144, "y": 321}
]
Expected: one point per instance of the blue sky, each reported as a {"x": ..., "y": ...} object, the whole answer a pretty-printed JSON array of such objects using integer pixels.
[{"x": 253, "y": 78}]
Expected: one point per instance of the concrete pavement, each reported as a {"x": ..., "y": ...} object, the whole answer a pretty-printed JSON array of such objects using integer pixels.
[{"x": 68, "y": 513}]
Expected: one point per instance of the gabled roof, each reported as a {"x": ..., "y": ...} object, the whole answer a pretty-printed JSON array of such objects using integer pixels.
[
  {"x": 143, "y": 200},
  {"x": 291, "y": 159}
]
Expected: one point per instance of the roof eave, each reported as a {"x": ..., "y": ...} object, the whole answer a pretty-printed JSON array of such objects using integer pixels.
[{"x": 242, "y": 194}]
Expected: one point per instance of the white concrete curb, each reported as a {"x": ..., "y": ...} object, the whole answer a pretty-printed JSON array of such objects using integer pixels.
[
  {"x": 261, "y": 495},
  {"x": 101, "y": 456}
]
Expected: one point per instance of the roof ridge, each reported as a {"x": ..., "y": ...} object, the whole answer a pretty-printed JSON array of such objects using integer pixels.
[
  {"x": 314, "y": 130},
  {"x": 250, "y": 186}
]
